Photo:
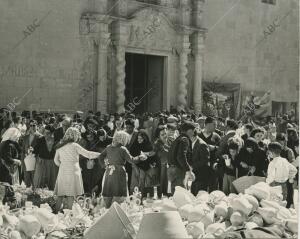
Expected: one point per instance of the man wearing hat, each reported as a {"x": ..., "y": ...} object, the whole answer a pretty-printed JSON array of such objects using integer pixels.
[
  {"x": 201, "y": 122},
  {"x": 180, "y": 157},
  {"x": 29, "y": 142},
  {"x": 60, "y": 132}
]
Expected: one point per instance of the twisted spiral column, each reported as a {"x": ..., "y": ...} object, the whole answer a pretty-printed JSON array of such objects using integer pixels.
[
  {"x": 182, "y": 86},
  {"x": 120, "y": 79},
  {"x": 198, "y": 50}
]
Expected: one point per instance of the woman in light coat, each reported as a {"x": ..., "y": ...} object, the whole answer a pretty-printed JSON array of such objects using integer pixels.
[{"x": 69, "y": 180}]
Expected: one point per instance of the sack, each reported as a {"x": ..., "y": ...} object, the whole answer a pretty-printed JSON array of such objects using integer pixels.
[
  {"x": 243, "y": 183},
  {"x": 30, "y": 161}
]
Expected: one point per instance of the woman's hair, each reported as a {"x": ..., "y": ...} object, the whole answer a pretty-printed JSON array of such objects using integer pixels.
[
  {"x": 291, "y": 132},
  {"x": 120, "y": 138},
  {"x": 159, "y": 129},
  {"x": 101, "y": 132},
  {"x": 17, "y": 119},
  {"x": 233, "y": 145},
  {"x": 209, "y": 120},
  {"x": 52, "y": 120},
  {"x": 50, "y": 128},
  {"x": 233, "y": 141},
  {"x": 92, "y": 132},
  {"x": 255, "y": 131},
  {"x": 144, "y": 135},
  {"x": 72, "y": 135},
  {"x": 251, "y": 143},
  {"x": 281, "y": 137},
  {"x": 129, "y": 122},
  {"x": 232, "y": 124},
  {"x": 249, "y": 127}
]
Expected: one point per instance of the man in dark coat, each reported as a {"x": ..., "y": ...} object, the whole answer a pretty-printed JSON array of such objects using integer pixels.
[
  {"x": 212, "y": 139},
  {"x": 29, "y": 140},
  {"x": 60, "y": 132},
  {"x": 180, "y": 157},
  {"x": 133, "y": 133},
  {"x": 231, "y": 127},
  {"x": 200, "y": 164}
]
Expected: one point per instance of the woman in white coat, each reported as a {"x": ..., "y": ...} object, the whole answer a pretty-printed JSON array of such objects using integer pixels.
[{"x": 69, "y": 180}]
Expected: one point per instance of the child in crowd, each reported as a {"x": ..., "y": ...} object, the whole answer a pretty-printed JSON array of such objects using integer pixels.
[
  {"x": 280, "y": 171},
  {"x": 229, "y": 165},
  {"x": 258, "y": 134}
]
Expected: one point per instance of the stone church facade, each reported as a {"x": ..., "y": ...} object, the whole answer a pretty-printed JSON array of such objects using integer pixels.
[{"x": 171, "y": 31}]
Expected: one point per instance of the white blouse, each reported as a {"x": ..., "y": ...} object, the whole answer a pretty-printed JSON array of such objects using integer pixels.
[{"x": 280, "y": 170}]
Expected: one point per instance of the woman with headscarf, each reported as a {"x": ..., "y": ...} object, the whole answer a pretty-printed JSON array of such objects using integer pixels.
[
  {"x": 115, "y": 177},
  {"x": 69, "y": 180},
  {"x": 8, "y": 124},
  {"x": 251, "y": 160},
  {"x": 90, "y": 168},
  {"x": 103, "y": 141},
  {"x": 144, "y": 174},
  {"x": 44, "y": 151},
  {"x": 10, "y": 153}
]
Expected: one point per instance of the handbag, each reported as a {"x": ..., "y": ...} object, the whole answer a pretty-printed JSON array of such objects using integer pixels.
[
  {"x": 30, "y": 161},
  {"x": 7, "y": 195},
  {"x": 12, "y": 170}
]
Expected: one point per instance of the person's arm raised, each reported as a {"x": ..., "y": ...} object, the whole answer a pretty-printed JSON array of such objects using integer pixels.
[{"x": 85, "y": 153}]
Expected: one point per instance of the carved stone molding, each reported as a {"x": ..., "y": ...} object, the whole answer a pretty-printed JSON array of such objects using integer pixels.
[{"x": 151, "y": 29}]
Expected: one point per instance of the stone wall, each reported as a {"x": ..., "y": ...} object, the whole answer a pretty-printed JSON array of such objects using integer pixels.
[
  {"x": 40, "y": 53},
  {"x": 257, "y": 43}
]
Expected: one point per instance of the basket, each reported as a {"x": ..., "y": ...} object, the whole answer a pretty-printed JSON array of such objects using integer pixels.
[{"x": 245, "y": 182}]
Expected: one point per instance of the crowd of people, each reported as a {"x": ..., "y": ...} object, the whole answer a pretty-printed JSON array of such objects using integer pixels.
[{"x": 112, "y": 155}]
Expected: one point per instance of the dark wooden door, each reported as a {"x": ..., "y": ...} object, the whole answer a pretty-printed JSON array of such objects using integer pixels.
[{"x": 144, "y": 82}]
